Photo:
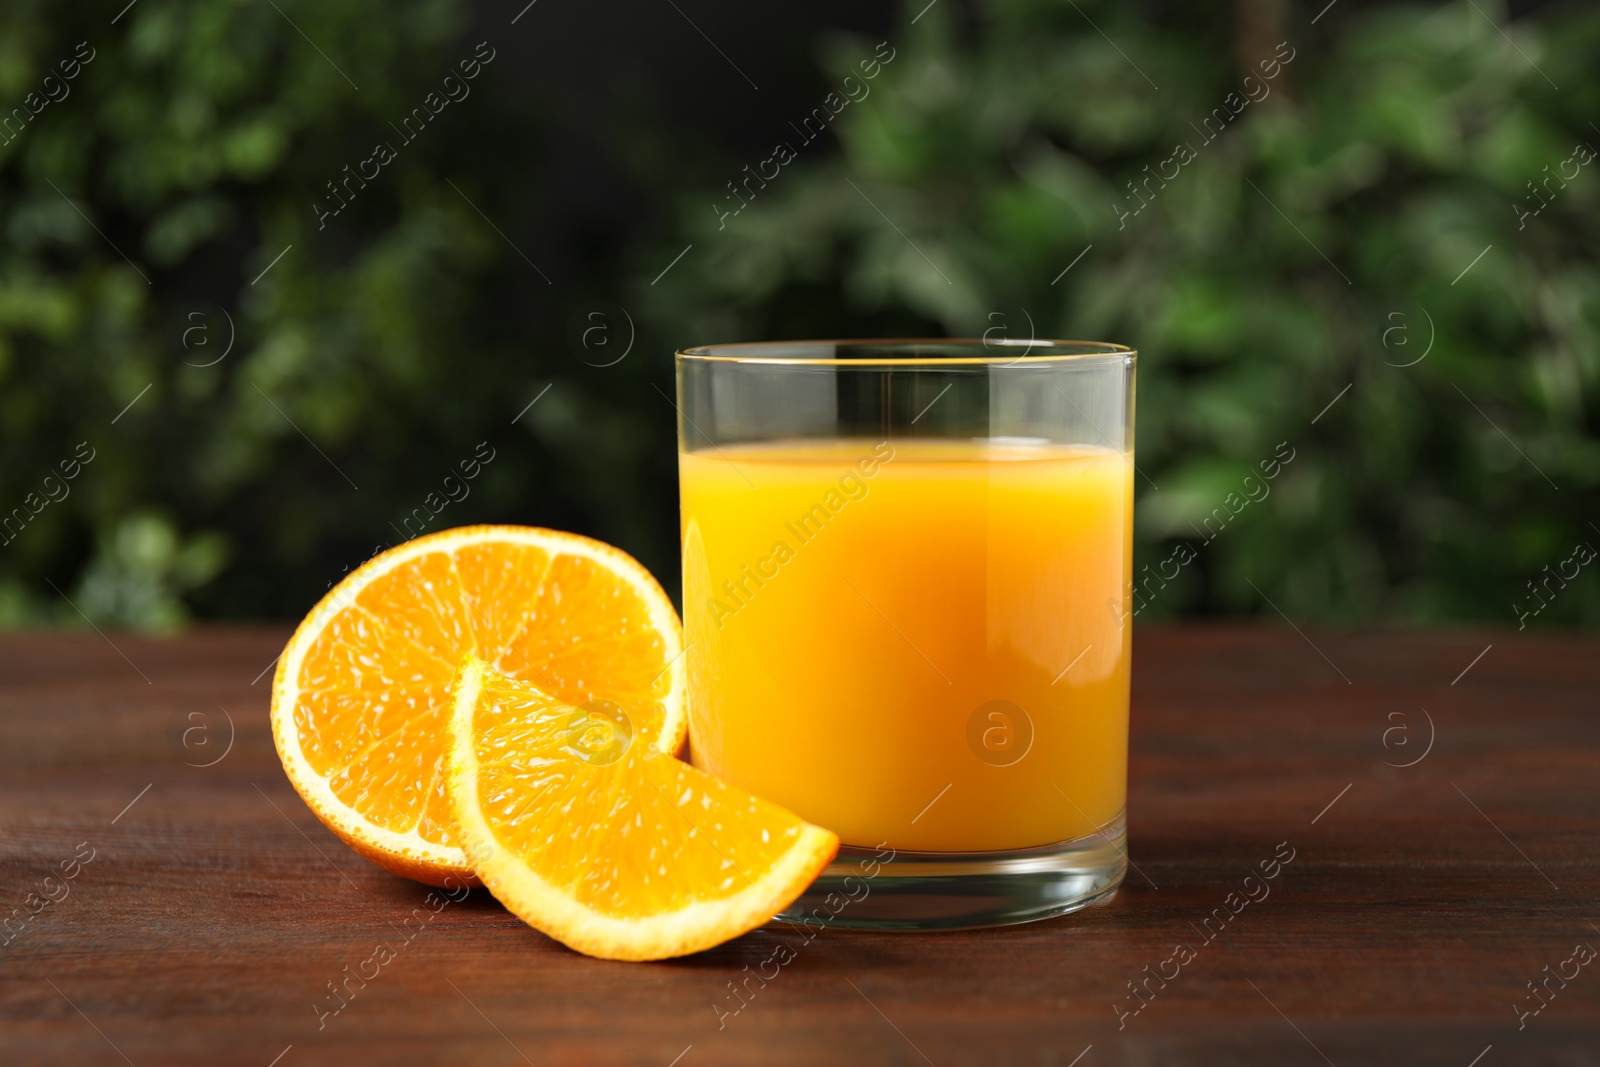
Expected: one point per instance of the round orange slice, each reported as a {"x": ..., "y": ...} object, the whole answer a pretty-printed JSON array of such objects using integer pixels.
[
  {"x": 362, "y": 697},
  {"x": 604, "y": 843}
]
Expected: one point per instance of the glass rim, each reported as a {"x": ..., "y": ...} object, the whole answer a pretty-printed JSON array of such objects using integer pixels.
[{"x": 1016, "y": 352}]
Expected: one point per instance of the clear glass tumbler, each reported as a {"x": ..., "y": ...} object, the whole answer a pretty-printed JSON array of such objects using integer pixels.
[{"x": 906, "y": 576}]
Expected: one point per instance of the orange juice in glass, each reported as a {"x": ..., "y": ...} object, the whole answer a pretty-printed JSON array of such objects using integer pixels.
[{"x": 904, "y": 573}]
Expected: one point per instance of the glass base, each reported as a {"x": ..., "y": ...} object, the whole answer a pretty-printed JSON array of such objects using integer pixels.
[{"x": 880, "y": 889}]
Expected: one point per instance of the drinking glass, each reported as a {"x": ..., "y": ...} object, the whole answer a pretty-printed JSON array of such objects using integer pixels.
[{"x": 906, "y": 576}]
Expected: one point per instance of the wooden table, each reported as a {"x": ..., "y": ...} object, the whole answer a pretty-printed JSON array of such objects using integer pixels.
[{"x": 1419, "y": 902}]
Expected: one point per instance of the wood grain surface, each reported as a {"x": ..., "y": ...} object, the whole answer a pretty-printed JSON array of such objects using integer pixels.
[{"x": 198, "y": 914}]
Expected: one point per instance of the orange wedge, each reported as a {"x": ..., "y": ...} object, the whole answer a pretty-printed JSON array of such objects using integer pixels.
[
  {"x": 606, "y": 844},
  {"x": 362, "y": 698}
]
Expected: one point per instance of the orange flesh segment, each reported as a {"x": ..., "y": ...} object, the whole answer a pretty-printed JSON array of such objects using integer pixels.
[
  {"x": 371, "y": 715},
  {"x": 569, "y": 660},
  {"x": 630, "y": 839}
]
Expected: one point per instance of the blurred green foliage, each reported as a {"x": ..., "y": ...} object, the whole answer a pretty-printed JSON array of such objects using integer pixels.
[
  {"x": 1311, "y": 245},
  {"x": 366, "y": 363},
  {"x": 1314, "y": 243}
]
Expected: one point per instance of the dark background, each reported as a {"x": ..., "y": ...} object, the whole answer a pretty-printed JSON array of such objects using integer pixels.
[{"x": 1281, "y": 289}]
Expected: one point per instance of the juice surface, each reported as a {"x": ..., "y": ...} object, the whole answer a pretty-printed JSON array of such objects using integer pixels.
[{"x": 917, "y": 641}]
